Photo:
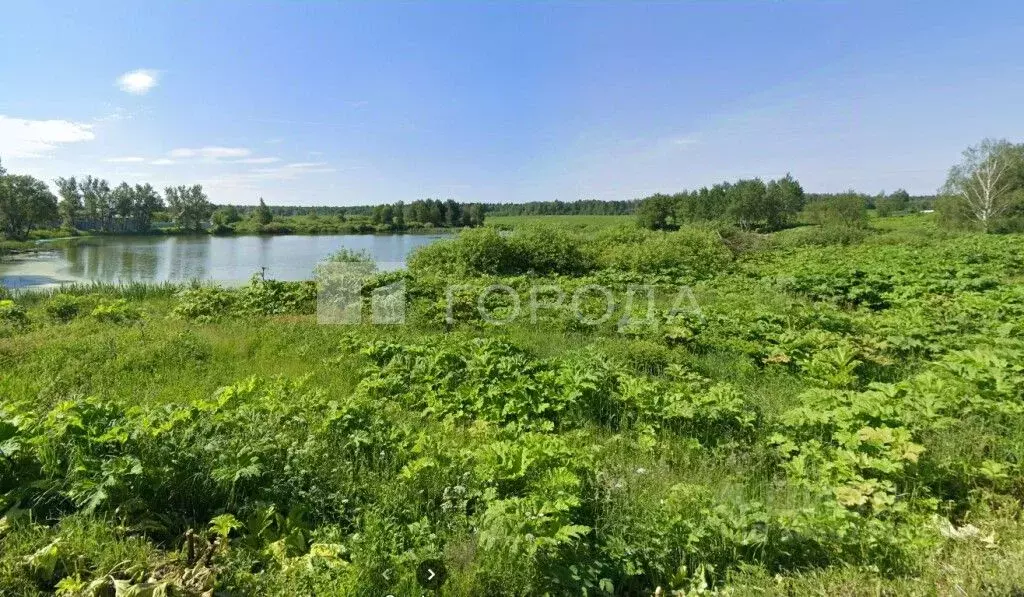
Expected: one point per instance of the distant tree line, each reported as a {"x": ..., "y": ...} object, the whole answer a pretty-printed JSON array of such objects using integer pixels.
[
  {"x": 749, "y": 204},
  {"x": 985, "y": 191},
  {"x": 584, "y": 207},
  {"x": 395, "y": 217},
  {"x": 91, "y": 204},
  {"x": 899, "y": 201},
  {"x": 431, "y": 212}
]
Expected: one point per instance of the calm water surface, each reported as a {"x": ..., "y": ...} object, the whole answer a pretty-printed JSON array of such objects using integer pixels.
[{"x": 225, "y": 259}]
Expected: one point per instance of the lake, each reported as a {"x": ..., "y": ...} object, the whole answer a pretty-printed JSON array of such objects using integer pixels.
[{"x": 224, "y": 259}]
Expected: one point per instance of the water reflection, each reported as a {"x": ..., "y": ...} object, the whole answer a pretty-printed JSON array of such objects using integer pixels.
[{"x": 180, "y": 258}]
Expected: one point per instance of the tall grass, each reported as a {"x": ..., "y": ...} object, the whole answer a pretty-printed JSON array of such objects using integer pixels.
[{"x": 125, "y": 290}]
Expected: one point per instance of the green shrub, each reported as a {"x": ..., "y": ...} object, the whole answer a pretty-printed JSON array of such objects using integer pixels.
[
  {"x": 259, "y": 297},
  {"x": 693, "y": 253},
  {"x": 549, "y": 250},
  {"x": 742, "y": 242},
  {"x": 646, "y": 357},
  {"x": 206, "y": 303},
  {"x": 474, "y": 251},
  {"x": 274, "y": 297},
  {"x": 848, "y": 210},
  {"x": 479, "y": 251},
  {"x": 542, "y": 250},
  {"x": 345, "y": 255},
  {"x": 12, "y": 313},
  {"x": 117, "y": 311},
  {"x": 822, "y": 236},
  {"x": 66, "y": 307},
  {"x": 1008, "y": 225}
]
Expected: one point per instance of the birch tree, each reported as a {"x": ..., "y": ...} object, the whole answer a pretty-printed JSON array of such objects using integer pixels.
[{"x": 983, "y": 185}]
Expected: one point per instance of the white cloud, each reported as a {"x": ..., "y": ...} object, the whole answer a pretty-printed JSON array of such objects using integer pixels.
[
  {"x": 211, "y": 153},
  {"x": 258, "y": 161},
  {"x": 32, "y": 138},
  {"x": 163, "y": 162},
  {"x": 290, "y": 171},
  {"x": 305, "y": 165},
  {"x": 125, "y": 160},
  {"x": 683, "y": 141},
  {"x": 250, "y": 179},
  {"x": 119, "y": 113},
  {"x": 137, "y": 82}
]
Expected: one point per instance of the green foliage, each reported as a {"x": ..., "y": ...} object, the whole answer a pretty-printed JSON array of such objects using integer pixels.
[
  {"x": 896, "y": 203},
  {"x": 748, "y": 204},
  {"x": 580, "y": 208},
  {"x": 91, "y": 204},
  {"x": 848, "y": 210},
  {"x": 117, "y": 311},
  {"x": 16, "y": 246},
  {"x": 66, "y": 307},
  {"x": 262, "y": 214},
  {"x": 344, "y": 255},
  {"x": 189, "y": 207},
  {"x": 259, "y": 297},
  {"x": 223, "y": 218},
  {"x": 548, "y": 250},
  {"x": 823, "y": 236},
  {"x": 985, "y": 190},
  {"x": 691, "y": 253},
  {"x": 657, "y": 212},
  {"x": 418, "y": 216},
  {"x": 833, "y": 419},
  {"x": 12, "y": 314},
  {"x": 25, "y": 203}
]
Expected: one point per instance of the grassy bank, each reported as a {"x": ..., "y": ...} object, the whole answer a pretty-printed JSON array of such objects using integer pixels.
[
  {"x": 11, "y": 247},
  {"x": 817, "y": 414}
]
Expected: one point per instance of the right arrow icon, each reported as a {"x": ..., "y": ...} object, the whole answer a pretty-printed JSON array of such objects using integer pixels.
[{"x": 431, "y": 574}]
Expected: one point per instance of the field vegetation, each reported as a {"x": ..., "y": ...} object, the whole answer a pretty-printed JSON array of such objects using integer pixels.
[
  {"x": 838, "y": 410},
  {"x": 741, "y": 390}
]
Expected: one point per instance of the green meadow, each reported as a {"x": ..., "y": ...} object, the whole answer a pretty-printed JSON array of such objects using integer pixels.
[{"x": 808, "y": 412}]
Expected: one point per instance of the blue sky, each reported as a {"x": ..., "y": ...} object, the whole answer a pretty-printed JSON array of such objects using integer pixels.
[{"x": 353, "y": 103}]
